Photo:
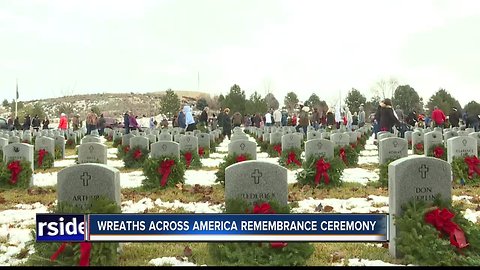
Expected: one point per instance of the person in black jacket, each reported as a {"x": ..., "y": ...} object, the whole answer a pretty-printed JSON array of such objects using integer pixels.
[
  {"x": 126, "y": 122},
  {"x": 27, "y": 122},
  {"x": 454, "y": 117},
  {"x": 227, "y": 123},
  {"x": 387, "y": 116}
]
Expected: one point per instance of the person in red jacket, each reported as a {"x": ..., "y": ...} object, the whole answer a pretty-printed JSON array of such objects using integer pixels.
[
  {"x": 63, "y": 122},
  {"x": 438, "y": 117}
]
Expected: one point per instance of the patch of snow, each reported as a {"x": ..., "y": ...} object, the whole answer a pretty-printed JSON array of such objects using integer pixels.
[
  {"x": 204, "y": 178},
  {"x": 473, "y": 216},
  {"x": 351, "y": 205},
  {"x": 364, "y": 262},
  {"x": 359, "y": 175},
  {"x": 45, "y": 179},
  {"x": 171, "y": 261},
  {"x": 194, "y": 207},
  {"x": 131, "y": 179},
  {"x": 210, "y": 162},
  {"x": 367, "y": 160}
]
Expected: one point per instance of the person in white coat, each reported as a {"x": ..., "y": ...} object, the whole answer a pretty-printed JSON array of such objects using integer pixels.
[
  {"x": 349, "y": 117},
  {"x": 277, "y": 117}
]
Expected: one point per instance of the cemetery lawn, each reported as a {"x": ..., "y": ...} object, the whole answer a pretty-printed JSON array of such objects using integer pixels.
[{"x": 139, "y": 254}]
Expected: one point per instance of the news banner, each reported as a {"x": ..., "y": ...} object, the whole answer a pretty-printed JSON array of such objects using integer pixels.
[{"x": 212, "y": 227}]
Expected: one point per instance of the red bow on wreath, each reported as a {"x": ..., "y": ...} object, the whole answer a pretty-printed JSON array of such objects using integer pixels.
[
  {"x": 188, "y": 158},
  {"x": 85, "y": 248},
  {"x": 164, "y": 170},
  {"x": 322, "y": 171},
  {"x": 473, "y": 166},
  {"x": 201, "y": 151},
  {"x": 343, "y": 155},
  {"x": 353, "y": 145},
  {"x": 15, "y": 169},
  {"x": 265, "y": 208},
  {"x": 441, "y": 220},
  {"x": 419, "y": 146},
  {"x": 292, "y": 158},
  {"x": 438, "y": 152},
  {"x": 137, "y": 154},
  {"x": 126, "y": 149},
  {"x": 41, "y": 155},
  {"x": 278, "y": 148},
  {"x": 241, "y": 158}
]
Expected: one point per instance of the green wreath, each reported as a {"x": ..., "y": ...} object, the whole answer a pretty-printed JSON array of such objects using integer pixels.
[
  {"x": 438, "y": 151},
  {"x": 348, "y": 155},
  {"x": 263, "y": 146},
  {"x": 46, "y": 162},
  {"x": 420, "y": 243},
  {"x": 101, "y": 253},
  {"x": 15, "y": 174},
  {"x": 291, "y": 158},
  {"x": 117, "y": 142},
  {"x": 58, "y": 152},
  {"x": 206, "y": 152},
  {"x": 308, "y": 175},
  {"x": 1, "y": 156},
  {"x": 383, "y": 174},
  {"x": 418, "y": 149},
  {"x": 213, "y": 146},
  {"x": 122, "y": 151},
  {"x": 258, "y": 253},
  {"x": 135, "y": 157},
  {"x": 195, "y": 162},
  {"x": 70, "y": 144},
  {"x": 461, "y": 172},
  {"x": 274, "y": 149},
  {"x": 108, "y": 137},
  {"x": 227, "y": 161},
  {"x": 154, "y": 172}
]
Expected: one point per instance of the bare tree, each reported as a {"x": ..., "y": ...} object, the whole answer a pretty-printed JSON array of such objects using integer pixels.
[{"x": 385, "y": 88}]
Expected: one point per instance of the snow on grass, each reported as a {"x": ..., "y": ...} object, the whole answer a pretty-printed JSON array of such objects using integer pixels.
[
  {"x": 131, "y": 179},
  {"x": 63, "y": 163},
  {"x": 45, "y": 179},
  {"x": 473, "y": 216},
  {"x": 203, "y": 178},
  {"x": 364, "y": 262},
  {"x": 211, "y": 162},
  {"x": 369, "y": 153},
  {"x": 217, "y": 155},
  {"x": 351, "y": 205},
  {"x": 14, "y": 231},
  {"x": 367, "y": 160},
  {"x": 359, "y": 175},
  {"x": 171, "y": 261}
]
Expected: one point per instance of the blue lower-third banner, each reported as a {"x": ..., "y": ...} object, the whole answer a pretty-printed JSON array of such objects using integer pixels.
[{"x": 218, "y": 227}]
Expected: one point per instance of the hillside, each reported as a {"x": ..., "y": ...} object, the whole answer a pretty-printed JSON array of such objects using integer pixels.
[{"x": 111, "y": 104}]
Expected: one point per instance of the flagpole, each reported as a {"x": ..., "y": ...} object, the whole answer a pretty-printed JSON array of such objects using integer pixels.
[{"x": 16, "y": 99}]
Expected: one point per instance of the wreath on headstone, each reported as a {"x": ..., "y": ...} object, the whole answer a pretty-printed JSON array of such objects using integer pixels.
[
  {"x": 70, "y": 143},
  {"x": 274, "y": 150},
  {"x": 163, "y": 172},
  {"x": 227, "y": 161},
  {"x": 43, "y": 159},
  {"x": 321, "y": 172},
  {"x": 191, "y": 159},
  {"x": 108, "y": 137},
  {"x": 259, "y": 253},
  {"x": 1, "y": 156},
  {"x": 466, "y": 170},
  {"x": 438, "y": 151},
  {"x": 122, "y": 150},
  {"x": 15, "y": 174},
  {"x": 78, "y": 254},
  {"x": 203, "y": 152},
  {"x": 135, "y": 157},
  {"x": 58, "y": 152},
  {"x": 383, "y": 174},
  {"x": 437, "y": 235},
  {"x": 347, "y": 154},
  {"x": 291, "y": 158},
  {"x": 418, "y": 149},
  {"x": 117, "y": 142}
]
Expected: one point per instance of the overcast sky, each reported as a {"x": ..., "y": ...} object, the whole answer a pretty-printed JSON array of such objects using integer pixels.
[{"x": 58, "y": 48}]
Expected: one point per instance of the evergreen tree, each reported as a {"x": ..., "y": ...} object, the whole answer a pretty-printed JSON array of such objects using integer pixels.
[
  {"x": 407, "y": 98},
  {"x": 290, "y": 101},
  {"x": 201, "y": 104},
  {"x": 256, "y": 104},
  {"x": 472, "y": 108},
  {"x": 272, "y": 102},
  {"x": 170, "y": 103},
  {"x": 443, "y": 100},
  {"x": 235, "y": 100},
  {"x": 354, "y": 99}
]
